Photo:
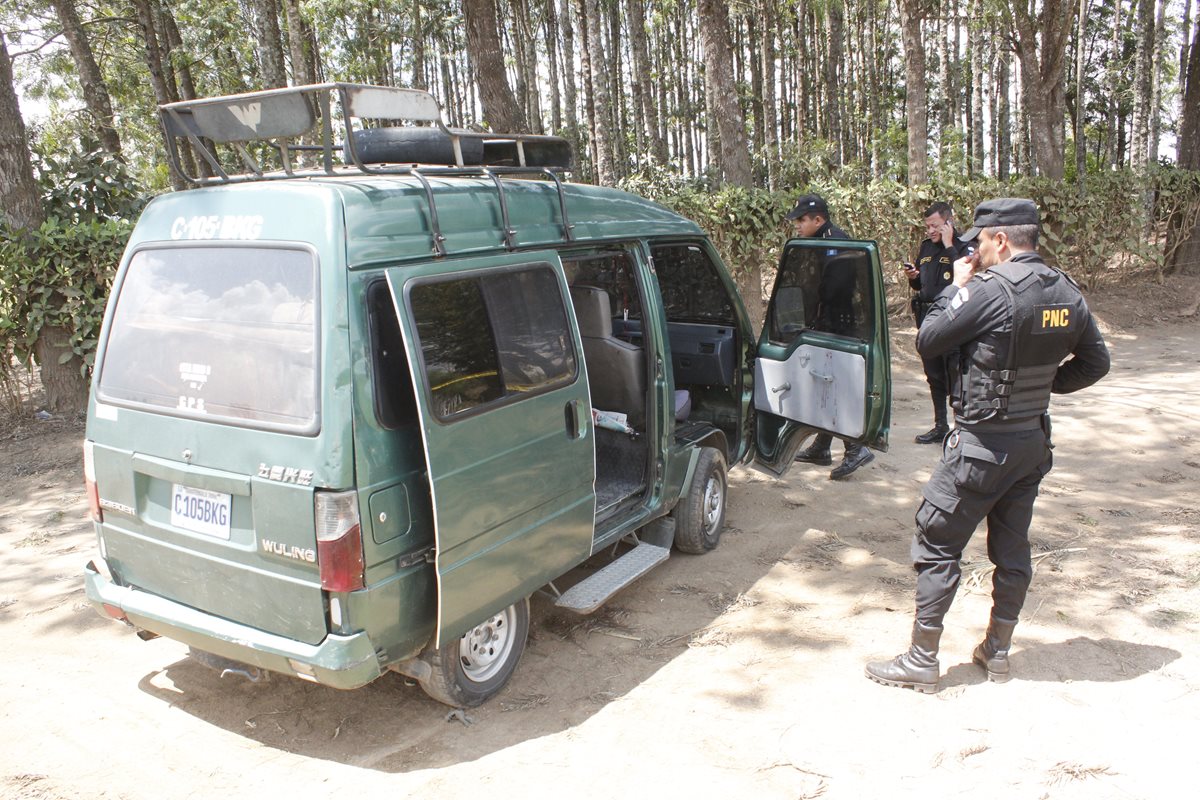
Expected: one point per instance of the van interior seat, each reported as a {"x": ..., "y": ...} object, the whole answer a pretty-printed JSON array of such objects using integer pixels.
[
  {"x": 616, "y": 369},
  {"x": 683, "y": 405}
]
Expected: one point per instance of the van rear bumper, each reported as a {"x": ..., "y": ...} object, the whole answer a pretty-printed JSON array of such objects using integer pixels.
[{"x": 343, "y": 662}]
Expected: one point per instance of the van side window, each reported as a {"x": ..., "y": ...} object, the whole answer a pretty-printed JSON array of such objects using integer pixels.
[
  {"x": 492, "y": 336},
  {"x": 692, "y": 290},
  {"x": 822, "y": 289},
  {"x": 612, "y": 272},
  {"x": 395, "y": 403}
]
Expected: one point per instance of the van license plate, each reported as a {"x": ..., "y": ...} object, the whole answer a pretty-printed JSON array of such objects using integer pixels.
[{"x": 201, "y": 511}]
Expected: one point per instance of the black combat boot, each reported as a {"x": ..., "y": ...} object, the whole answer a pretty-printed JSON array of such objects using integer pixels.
[
  {"x": 934, "y": 435},
  {"x": 856, "y": 456},
  {"x": 916, "y": 669},
  {"x": 939, "y": 430},
  {"x": 992, "y": 652},
  {"x": 816, "y": 453}
]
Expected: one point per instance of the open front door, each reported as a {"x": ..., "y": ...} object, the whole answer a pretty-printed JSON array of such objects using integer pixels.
[
  {"x": 503, "y": 398},
  {"x": 823, "y": 362}
]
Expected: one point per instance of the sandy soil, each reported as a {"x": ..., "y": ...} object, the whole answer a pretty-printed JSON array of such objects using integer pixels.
[{"x": 732, "y": 674}]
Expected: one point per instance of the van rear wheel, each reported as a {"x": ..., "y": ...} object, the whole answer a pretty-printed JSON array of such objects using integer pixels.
[
  {"x": 469, "y": 670},
  {"x": 700, "y": 515}
]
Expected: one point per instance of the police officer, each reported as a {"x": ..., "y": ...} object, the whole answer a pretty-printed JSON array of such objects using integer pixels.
[
  {"x": 932, "y": 273},
  {"x": 1006, "y": 325},
  {"x": 810, "y": 219}
]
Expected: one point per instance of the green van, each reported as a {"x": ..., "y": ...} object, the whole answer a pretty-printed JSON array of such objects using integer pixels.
[{"x": 349, "y": 412}]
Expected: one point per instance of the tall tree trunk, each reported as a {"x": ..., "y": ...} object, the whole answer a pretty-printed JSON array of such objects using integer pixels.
[
  {"x": 500, "y": 109},
  {"x": 835, "y": 92},
  {"x": 1185, "y": 255},
  {"x": 1042, "y": 51},
  {"x": 270, "y": 43},
  {"x": 95, "y": 90},
  {"x": 550, "y": 20},
  {"x": 162, "y": 89},
  {"x": 61, "y": 370},
  {"x": 420, "y": 76},
  {"x": 976, "y": 48},
  {"x": 602, "y": 131},
  {"x": 301, "y": 71},
  {"x": 1080, "y": 101},
  {"x": 642, "y": 82},
  {"x": 619, "y": 125},
  {"x": 1003, "y": 118},
  {"x": 1113, "y": 76},
  {"x": 916, "y": 98},
  {"x": 1160, "y": 48},
  {"x": 20, "y": 200},
  {"x": 1143, "y": 83},
  {"x": 770, "y": 112},
  {"x": 734, "y": 156},
  {"x": 570, "y": 88}
]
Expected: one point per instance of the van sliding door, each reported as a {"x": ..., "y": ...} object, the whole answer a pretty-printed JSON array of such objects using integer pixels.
[{"x": 497, "y": 364}]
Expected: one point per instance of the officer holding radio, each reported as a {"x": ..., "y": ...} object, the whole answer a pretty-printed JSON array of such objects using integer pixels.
[
  {"x": 932, "y": 273},
  {"x": 1013, "y": 330}
]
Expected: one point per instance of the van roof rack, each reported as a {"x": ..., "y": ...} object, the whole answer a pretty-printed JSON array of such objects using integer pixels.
[{"x": 274, "y": 132}]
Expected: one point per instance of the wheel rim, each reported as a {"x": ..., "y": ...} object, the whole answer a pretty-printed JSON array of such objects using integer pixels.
[
  {"x": 714, "y": 500},
  {"x": 484, "y": 651}
]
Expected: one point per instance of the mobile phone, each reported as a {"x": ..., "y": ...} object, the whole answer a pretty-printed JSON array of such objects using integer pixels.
[{"x": 906, "y": 265}]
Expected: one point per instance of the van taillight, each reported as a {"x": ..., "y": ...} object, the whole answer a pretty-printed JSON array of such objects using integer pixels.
[
  {"x": 339, "y": 541},
  {"x": 89, "y": 481}
]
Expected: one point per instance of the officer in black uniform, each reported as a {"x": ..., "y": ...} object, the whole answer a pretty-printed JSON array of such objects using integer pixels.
[
  {"x": 810, "y": 219},
  {"x": 932, "y": 273},
  {"x": 1006, "y": 325}
]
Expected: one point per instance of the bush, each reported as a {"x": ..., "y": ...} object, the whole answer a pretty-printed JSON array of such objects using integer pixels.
[
  {"x": 1111, "y": 228},
  {"x": 59, "y": 274}
]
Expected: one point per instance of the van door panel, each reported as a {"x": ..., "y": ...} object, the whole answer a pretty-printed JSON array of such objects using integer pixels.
[
  {"x": 823, "y": 361},
  {"x": 511, "y": 469},
  {"x": 825, "y": 388}
]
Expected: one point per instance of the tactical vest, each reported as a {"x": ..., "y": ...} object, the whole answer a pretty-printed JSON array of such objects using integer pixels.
[{"x": 1011, "y": 385}]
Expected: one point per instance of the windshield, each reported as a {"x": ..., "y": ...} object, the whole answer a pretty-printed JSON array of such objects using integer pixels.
[{"x": 217, "y": 332}]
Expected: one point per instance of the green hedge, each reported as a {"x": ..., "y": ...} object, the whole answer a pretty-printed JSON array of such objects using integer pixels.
[{"x": 1115, "y": 225}]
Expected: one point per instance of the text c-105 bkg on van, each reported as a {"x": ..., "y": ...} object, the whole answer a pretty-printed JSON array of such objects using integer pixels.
[{"x": 491, "y": 374}]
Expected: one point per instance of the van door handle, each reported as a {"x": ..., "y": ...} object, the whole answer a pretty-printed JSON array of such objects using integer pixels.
[
  {"x": 821, "y": 375},
  {"x": 787, "y": 387},
  {"x": 574, "y": 423}
]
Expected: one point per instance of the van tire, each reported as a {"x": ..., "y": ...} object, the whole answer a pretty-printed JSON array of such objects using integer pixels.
[
  {"x": 466, "y": 672},
  {"x": 700, "y": 514}
]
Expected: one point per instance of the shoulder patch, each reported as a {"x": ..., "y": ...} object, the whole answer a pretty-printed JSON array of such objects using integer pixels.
[{"x": 963, "y": 295}]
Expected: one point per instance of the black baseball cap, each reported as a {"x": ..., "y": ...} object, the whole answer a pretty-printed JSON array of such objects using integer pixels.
[
  {"x": 1002, "y": 211},
  {"x": 809, "y": 204}
]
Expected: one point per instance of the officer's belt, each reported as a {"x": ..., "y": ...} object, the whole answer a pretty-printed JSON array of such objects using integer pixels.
[{"x": 1010, "y": 426}]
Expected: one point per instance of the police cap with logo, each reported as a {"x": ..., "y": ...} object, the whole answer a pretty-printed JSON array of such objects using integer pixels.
[
  {"x": 1001, "y": 212},
  {"x": 809, "y": 204}
]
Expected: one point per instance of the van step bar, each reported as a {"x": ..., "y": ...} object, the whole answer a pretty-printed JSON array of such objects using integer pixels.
[{"x": 591, "y": 593}]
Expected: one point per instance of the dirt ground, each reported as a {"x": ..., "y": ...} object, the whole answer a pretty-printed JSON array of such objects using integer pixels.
[{"x": 734, "y": 674}]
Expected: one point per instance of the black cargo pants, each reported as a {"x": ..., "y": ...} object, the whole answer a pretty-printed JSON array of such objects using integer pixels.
[
  {"x": 982, "y": 475},
  {"x": 936, "y": 372}
]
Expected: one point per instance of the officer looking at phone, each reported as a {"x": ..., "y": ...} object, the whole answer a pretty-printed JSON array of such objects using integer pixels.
[
  {"x": 932, "y": 273},
  {"x": 1013, "y": 330}
]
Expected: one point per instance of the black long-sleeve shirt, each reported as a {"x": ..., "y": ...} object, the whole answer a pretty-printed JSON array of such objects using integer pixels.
[
  {"x": 978, "y": 316},
  {"x": 935, "y": 261}
]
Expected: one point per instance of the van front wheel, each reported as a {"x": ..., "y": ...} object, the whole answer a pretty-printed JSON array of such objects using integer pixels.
[
  {"x": 469, "y": 670},
  {"x": 700, "y": 515}
]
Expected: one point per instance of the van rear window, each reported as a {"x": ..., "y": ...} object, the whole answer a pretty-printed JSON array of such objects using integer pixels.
[{"x": 217, "y": 332}]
